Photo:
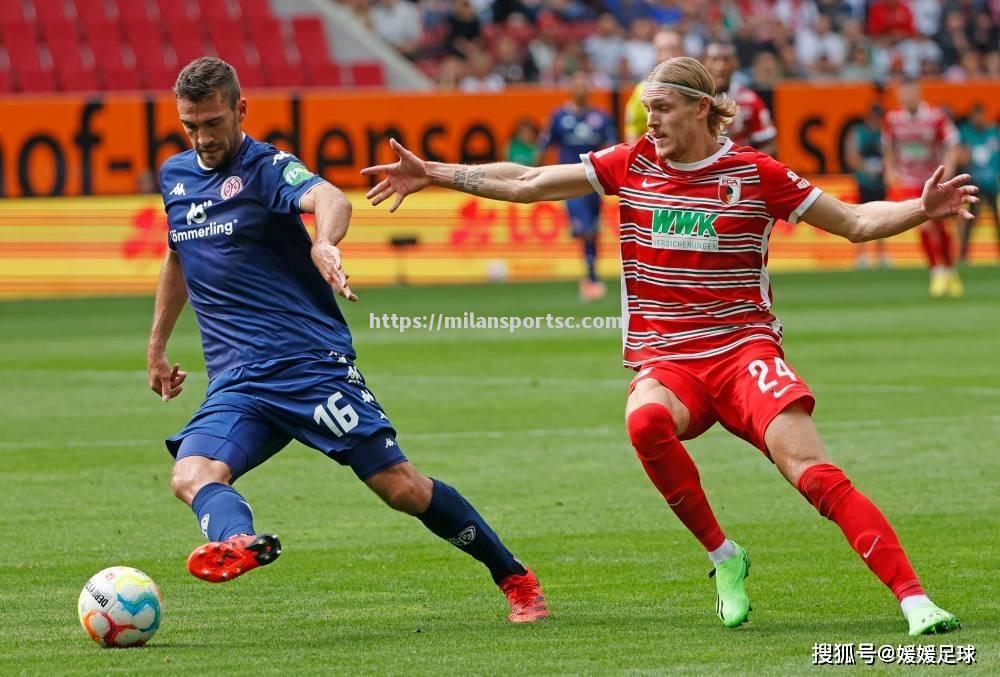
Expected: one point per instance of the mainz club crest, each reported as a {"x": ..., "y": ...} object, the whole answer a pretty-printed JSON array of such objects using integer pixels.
[
  {"x": 231, "y": 187},
  {"x": 729, "y": 190}
]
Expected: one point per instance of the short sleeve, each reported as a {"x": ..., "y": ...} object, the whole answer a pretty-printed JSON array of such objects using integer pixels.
[
  {"x": 283, "y": 180},
  {"x": 762, "y": 128},
  {"x": 550, "y": 135},
  {"x": 786, "y": 194},
  {"x": 606, "y": 168},
  {"x": 947, "y": 132}
]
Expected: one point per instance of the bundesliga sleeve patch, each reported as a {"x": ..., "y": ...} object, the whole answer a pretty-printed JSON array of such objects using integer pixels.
[{"x": 295, "y": 173}]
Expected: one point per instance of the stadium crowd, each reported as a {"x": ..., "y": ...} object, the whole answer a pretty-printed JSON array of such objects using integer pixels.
[{"x": 485, "y": 45}]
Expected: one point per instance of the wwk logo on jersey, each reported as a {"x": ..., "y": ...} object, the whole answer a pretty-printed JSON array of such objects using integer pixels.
[
  {"x": 231, "y": 187},
  {"x": 685, "y": 230},
  {"x": 729, "y": 189},
  {"x": 196, "y": 214}
]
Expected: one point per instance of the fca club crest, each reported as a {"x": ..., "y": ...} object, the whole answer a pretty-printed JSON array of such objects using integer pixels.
[{"x": 729, "y": 190}]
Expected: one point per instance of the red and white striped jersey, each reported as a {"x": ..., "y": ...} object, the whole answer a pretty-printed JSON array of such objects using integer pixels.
[
  {"x": 694, "y": 246},
  {"x": 752, "y": 125},
  {"x": 918, "y": 142}
]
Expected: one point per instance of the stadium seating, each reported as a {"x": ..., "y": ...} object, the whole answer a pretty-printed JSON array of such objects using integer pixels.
[
  {"x": 83, "y": 45},
  {"x": 311, "y": 42}
]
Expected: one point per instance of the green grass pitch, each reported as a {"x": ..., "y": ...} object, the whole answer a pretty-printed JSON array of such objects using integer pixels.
[{"x": 529, "y": 426}]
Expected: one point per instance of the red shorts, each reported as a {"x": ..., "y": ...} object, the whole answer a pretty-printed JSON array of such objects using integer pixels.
[
  {"x": 743, "y": 389},
  {"x": 900, "y": 193}
]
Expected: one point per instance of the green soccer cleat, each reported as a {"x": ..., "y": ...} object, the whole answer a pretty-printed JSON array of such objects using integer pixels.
[
  {"x": 930, "y": 619},
  {"x": 733, "y": 605}
]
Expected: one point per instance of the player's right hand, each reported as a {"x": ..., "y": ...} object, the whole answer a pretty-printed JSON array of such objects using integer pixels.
[
  {"x": 164, "y": 380},
  {"x": 404, "y": 177}
]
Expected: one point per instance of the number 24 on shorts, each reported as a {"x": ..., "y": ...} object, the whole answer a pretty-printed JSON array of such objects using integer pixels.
[
  {"x": 340, "y": 420},
  {"x": 759, "y": 370}
]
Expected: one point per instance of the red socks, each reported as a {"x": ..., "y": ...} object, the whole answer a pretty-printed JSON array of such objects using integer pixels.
[
  {"x": 864, "y": 525},
  {"x": 654, "y": 436},
  {"x": 935, "y": 240}
]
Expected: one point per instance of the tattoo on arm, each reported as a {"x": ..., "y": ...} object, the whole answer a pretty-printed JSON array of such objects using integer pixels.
[{"x": 470, "y": 179}]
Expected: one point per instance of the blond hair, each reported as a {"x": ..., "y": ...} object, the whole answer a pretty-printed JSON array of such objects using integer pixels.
[{"x": 688, "y": 72}]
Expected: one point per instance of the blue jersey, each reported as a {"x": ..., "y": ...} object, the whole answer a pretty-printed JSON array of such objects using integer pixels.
[
  {"x": 578, "y": 131},
  {"x": 246, "y": 257}
]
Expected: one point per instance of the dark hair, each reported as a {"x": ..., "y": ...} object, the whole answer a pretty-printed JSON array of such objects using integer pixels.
[{"x": 200, "y": 78}]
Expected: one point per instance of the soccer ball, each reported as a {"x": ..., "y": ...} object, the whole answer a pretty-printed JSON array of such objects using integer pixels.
[{"x": 120, "y": 606}]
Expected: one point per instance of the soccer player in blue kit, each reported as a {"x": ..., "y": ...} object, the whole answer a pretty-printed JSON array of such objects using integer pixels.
[
  {"x": 277, "y": 348},
  {"x": 576, "y": 129}
]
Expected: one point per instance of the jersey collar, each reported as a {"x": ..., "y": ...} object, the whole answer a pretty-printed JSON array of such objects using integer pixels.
[
  {"x": 203, "y": 168},
  {"x": 724, "y": 145}
]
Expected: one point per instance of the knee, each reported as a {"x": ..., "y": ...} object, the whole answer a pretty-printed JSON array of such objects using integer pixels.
[
  {"x": 194, "y": 472},
  {"x": 411, "y": 495},
  {"x": 648, "y": 427}
]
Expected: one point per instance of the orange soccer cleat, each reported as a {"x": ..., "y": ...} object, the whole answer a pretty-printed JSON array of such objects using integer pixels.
[
  {"x": 218, "y": 562},
  {"x": 527, "y": 603}
]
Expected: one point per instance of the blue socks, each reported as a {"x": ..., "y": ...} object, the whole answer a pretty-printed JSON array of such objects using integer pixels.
[
  {"x": 452, "y": 518},
  {"x": 222, "y": 512},
  {"x": 590, "y": 255}
]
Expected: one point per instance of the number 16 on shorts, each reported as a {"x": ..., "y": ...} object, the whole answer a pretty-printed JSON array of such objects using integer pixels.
[
  {"x": 783, "y": 377},
  {"x": 339, "y": 417}
]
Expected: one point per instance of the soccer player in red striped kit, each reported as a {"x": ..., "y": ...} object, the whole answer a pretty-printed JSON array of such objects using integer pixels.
[{"x": 696, "y": 213}]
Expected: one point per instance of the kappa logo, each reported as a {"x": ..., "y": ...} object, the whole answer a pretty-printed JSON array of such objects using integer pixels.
[
  {"x": 196, "y": 214},
  {"x": 467, "y": 536},
  {"x": 367, "y": 396},
  {"x": 729, "y": 189},
  {"x": 178, "y": 189},
  {"x": 231, "y": 187},
  {"x": 204, "y": 524},
  {"x": 389, "y": 443},
  {"x": 353, "y": 375},
  {"x": 279, "y": 156}
]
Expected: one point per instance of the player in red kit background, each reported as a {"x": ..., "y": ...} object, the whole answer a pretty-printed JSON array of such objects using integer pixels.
[
  {"x": 752, "y": 125},
  {"x": 918, "y": 138},
  {"x": 696, "y": 213}
]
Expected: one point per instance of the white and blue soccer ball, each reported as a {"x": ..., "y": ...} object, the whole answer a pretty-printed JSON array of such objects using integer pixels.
[{"x": 120, "y": 606}]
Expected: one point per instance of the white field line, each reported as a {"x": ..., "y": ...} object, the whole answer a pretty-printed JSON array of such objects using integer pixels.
[
  {"x": 531, "y": 432},
  {"x": 542, "y": 381}
]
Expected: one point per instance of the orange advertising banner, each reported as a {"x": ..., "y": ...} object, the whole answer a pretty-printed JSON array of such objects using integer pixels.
[
  {"x": 113, "y": 145},
  {"x": 814, "y": 120},
  {"x": 115, "y": 245}
]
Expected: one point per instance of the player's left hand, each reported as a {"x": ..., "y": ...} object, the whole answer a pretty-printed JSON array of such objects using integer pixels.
[
  {"x": 941, "y": 200},
  {"x": 328, "y": 261}
]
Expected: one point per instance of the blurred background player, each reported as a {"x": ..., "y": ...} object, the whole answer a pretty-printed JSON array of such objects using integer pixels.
[
  {"x": 980, "y": 140},
  {"x": 278, "y": 351},
  {"x": 668, "y": 44},
  {"x": 523, "y": 146},
  {"x": 752, "y": 125},
  {"x": 917, "y": 138},
  {"x": 864, "y": 158},
  {"x": 577, "y": 128}
]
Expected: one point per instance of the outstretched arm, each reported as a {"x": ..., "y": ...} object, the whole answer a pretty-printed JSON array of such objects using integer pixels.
[
  {"x": 877, "y": 220},
  {"x": 500, "y": 181}
]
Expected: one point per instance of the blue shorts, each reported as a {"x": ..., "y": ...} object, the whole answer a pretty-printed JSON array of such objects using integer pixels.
[
  {"x": 252, "y": 412},
  {"x": 584, "y": 214}
]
